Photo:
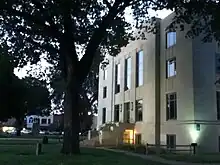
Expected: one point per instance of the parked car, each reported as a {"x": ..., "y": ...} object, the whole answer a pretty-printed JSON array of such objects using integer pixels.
[{"x": 25, "y": 131}]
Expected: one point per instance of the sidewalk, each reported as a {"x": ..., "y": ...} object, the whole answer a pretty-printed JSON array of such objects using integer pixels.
[{"x": 156, "y": 158}]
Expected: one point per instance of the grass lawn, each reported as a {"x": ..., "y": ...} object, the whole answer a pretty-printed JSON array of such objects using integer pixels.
[
  {"x": 21, "y": 154},
  {"x": 23, "y": 141},
  {"x": 203, "y": 158}
]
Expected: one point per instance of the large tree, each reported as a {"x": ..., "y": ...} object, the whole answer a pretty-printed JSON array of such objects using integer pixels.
[
  {"x": 19, "y": 96},
  {"x": 201, "y": 16},
  {"x": 58, "y": 28}
]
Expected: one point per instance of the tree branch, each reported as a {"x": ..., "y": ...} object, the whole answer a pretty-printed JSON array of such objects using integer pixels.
[
  {"x": 49, "y": 29},
  {"x": 40, "y": 6},
  {"x": 107, "y": 3},
  {"x": 87, "y": 60}
]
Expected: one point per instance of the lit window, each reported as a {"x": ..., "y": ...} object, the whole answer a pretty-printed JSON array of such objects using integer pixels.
[
  {"x": 140, "y": 68},
  {"x": 171, "y": 68},
  {"x": 171, "y": 39}
]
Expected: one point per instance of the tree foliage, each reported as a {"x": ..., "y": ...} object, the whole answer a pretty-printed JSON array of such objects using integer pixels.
[
  {"x": 19, "y": 96},
  {"x": 201, "y": 16},
  {"x": 63, "y": 30}
]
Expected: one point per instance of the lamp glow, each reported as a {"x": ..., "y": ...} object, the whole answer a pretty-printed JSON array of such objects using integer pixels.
[{"x": 194, "y": 135}]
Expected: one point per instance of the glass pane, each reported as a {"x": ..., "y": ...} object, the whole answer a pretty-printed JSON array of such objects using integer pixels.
[
  {"x": 140, "y": 78},
  {"x": 128, "y": 74},
  {"x": 171, "y": 68},
  {"x": 118, "y": 74},
  {"x": 171, "y": 39},
  {"x": 129, "y": 82},
  {"x": 172, "y": 96}
]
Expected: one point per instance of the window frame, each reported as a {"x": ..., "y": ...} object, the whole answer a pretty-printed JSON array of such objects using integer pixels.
[
  {"x": 138, "y": 138},
  {"x": 30, "y": 120},
  {"x": 218, "y": 105},
  {"x": 168, "y": 140},
  {"x": 44, "y": 119},
  {"x": 139, "y": 71},
  {"x": 105, "y": 74},
  {"x": 103, "y": 115},
  {"x": 104, "y": 92},
  {"x": 117, "y": 115},
  {"x": 137, "y": 110},
  {"x": 217, "y": 49},
  {"x": 168, "y": 75},
  {"x": 168, "y": 37},
  {"x": 168, "y": 108},
  {"x": 127, "y": 111},
  {"x": 49, "y": 121},
  {"x": 127, "y": 76},
  {"x": 117, "y": 78}
]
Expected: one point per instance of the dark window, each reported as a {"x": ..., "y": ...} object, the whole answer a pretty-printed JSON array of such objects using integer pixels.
[
  {"x": 140, "y": 68},
  {"x": 171, "y": 68},
  {"x": 171, "y": 106},
  {"x": 218, "y": 47},
  {"x": 139, "y": 110},
  {"x": 170, "y": 39},
  {"x": 128, "y": 73},
  {"x": 37, "y": 120},
  {"x": 217, "y": 62},
  {"x": 219, "y": 144},
  {"x": 103, "y": 115},
  {"x": 171, "y": 141},
  {"x": 127, "y": 112},
  {"x": 30, "y": 120},
  {"x": 104, "y": 74},
  {"x": 138, "y": 139},
  {"x": 218, "y": 104},
  {"x": 104, "y": 92},
  {"x": 117, "y": 78},
  {"x": 49, "y": 121},
  {"x": 43, "y": 121},
  {"x": 117, "y": 107}
]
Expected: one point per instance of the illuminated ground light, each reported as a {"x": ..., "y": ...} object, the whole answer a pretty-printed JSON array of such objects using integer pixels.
[
  {"x": 194, "y": 134},
  {"x": 8, "y": 129}
]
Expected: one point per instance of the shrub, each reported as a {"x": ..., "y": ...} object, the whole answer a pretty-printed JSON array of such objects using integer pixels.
[
  {"x": 45, "y": 140},
  {"x": 141, "y": 149},
  {"x": 152, "y": 150},
  {"x": 126, "y": 147}
]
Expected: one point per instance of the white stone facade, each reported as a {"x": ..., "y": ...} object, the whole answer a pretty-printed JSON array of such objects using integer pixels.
[{"x": 191, "y": 82}]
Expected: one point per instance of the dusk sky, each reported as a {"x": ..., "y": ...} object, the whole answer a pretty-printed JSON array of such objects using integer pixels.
[{"x": 22, "y": 72}]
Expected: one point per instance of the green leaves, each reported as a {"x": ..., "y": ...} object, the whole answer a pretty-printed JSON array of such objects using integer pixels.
[
  {"x": 201, "y": 16},
  {"x": 19, "y": 96}
]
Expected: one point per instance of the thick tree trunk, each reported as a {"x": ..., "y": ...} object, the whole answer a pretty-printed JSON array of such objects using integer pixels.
[
  {"x": 19, "y": 124},
  {"x": 18, "y": 132},
  {"x": 71, "y": 112}
]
